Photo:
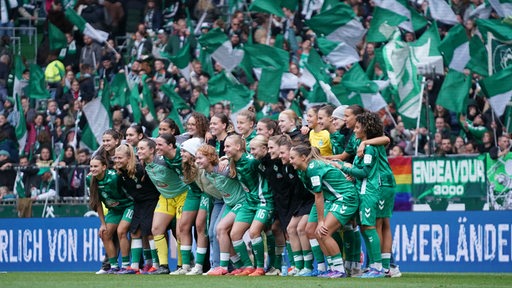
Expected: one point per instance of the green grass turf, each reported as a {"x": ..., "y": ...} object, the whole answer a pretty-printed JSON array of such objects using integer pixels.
[{"x": 73, "y": 279}]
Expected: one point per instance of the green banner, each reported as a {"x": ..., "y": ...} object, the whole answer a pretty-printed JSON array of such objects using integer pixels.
[
  {"x": 439, "y": 181},
  {"x": 499, "y": 174}
]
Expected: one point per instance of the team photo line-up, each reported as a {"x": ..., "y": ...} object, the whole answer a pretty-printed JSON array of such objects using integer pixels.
[{"x": 247, "y": 199}]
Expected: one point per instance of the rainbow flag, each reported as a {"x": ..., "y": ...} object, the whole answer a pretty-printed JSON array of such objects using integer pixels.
[{"x": 402, "y": 169}]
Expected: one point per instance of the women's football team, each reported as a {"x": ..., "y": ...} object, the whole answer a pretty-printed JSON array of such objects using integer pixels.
[{"x": 317, "y": 191}]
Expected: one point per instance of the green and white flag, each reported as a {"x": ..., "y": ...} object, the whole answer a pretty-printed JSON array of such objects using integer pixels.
[
  {"x": 217, "y": 44},
  {"x": 181, "y": 60},
  {"x": 288, "y": 80},
  {"x": 502, "y": 7},
  {"x": 478, "y": 61},
  {"x": 404, "y": 78},
  {"x": 482, "y": 11},
  {"x": 455, "y": 48},
  {"x": 383, "y": 25},
  {"x": 455, "y": 91},
  {"x": 441, "y": 11},
  {"x": 98, "y": 118},
  {"x": 37, "y": 83},
  {"x": 267, "y": 6},
  {"x": 498, "y": 42},
  {"x": 269, "y": 85},
  {"x": 425, "y": 53},
  {"x": 84, "y": 27},
  {"x": 357, "y": 88},
  {"x": 203, "y": 105},
  {"x": 57, "y": 38},
  {"x": 338, "y": 24},
  {"x": 414, "y": 20},
  {"x": 337, "y": 54},
  {"x": 178, "y": 104},
  {"x": 259, "y": 56},
  {"x": 498, "y": 89}
]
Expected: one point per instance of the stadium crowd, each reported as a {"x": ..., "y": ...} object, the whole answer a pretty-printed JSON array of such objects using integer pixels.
[{"x": 258, "y": 151}]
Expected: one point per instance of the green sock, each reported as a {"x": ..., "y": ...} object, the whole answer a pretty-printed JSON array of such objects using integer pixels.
[
  {"x": 337, "y": 237},
  {"x": 372, "y": 242},
  {"x": 298, "y": 259},
  {"x": 154, "y": 253},
  {"x": 259, "y": 252},
  {"x": 241, "y": 250},
  {"x": 317, "y": 251},
  {"x": 329, "y": 261},
  {"x": 148, "y": 258},
  {"x": 185, "y": 254},
  {"x": 136, "y": 252},
  {"x": 308, "y": 259},
  {"x": 125, "y": 260},
  {"x": 200, "y": 255},
  {"x": 290, "y": 253},
  {"x": 236, "y": 261},
  {"x": 355, "y": 255},
  {"x": 224, "y": 260},
  {"x": 337, "y": 263},
  {"x": 386, "y": 260},
  {"x": 279, "y": 256},
  {"x": 271, "y": 250},
  {"x": 113, "y": 262}
]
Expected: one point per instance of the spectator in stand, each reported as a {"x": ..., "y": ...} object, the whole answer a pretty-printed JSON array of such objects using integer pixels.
[
  {"x": 400, "y": 135},
  {"x": 180, "y": 38},
  {"x": 107, "y": 69},
  {"x": 8, "y": 174},
  {"x": 471, "y": 148},
  {"x": 459, "y": 145},
  {"x": 487, "y": 142},
  {"x": 34, "y": 130},
  {"x": 152, "y": 16},
  {"x": 474, "y": 129},
  {"x": 396, "y": 151},
  {"x": 142, "y": 47},
  {"x": 68, "y": 54},
  {"x": 502, "y": 149},
  {"x": 4, "y": 75},
  {"x": 44, "y": 188},
  {"x": 90, "y": 54},
  {"x": 197, "y": 70},
  {"x": 26, "y": 178},
  {"x": 160, "y": 45},
  {"x": 93, "y": 13},
  {"x": 44, "y": 158},
  {"x": 115, "y": 15},
  {"x": 65, "y": 170},
  {"x": 442, "y": 127},
  {"x": 54, "y": 75},
  {"x": 8, "y": 140},
  {"x": 66, "y": 101},
  {"x": 445, "y": 148}
]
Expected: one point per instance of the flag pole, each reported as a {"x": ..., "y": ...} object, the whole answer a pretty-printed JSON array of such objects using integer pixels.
[
  {"x": 269, "y": 32},
  {"x": 391, "y": 115}
]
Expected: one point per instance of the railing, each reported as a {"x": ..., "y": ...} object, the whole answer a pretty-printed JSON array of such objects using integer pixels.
[{"x": 15, "y": 35}]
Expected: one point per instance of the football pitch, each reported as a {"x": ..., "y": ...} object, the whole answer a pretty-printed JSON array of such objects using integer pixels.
[{"x": 75, "y": 279}]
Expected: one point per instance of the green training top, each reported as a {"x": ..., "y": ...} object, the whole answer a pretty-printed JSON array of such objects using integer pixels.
[
  {"x": 248, "y": 140},
  {"x": 322, "y": 177},
  {"x": 366, "y": 171},
  {"x": 167, "y": 179},
  {"x": 337, "y": 143},
  {"x": 232, "y": 192},
  {"x": 253, "y": 182},
  {"x": 110, "y": 193}
]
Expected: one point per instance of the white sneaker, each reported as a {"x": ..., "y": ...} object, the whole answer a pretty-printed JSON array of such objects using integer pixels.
[
  {"x": 195, "y": 271},
  {"x": 180, "y": 271},
  {"x": 293, "y": 271},
  {"x": 273, "y": 272},
  {"x": 355, "y": 272},
  {"x": 101, "y": 272},
  {"x": 394, "y": 272}
]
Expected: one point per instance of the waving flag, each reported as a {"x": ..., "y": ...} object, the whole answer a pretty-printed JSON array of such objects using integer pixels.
[{"x": 84, "y": 27}]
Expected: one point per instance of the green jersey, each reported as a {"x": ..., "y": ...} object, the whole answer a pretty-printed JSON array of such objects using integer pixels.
[
  {"x": 248, "y": 140},
  {"x": 337, "y": 143},
  {"x": 110, "y": 193},
  {"x": 352, "y": 145},
  {"x": 167, "y": 178},
  {"x": 366, "y": 171},
  {"x": 321, "y": 177},
  {"x": 231, "y": 190},
  {"x": 253, "y": 182},
  {"x": 175, "y": 163},
  {"x": 386, "y": 177}
]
